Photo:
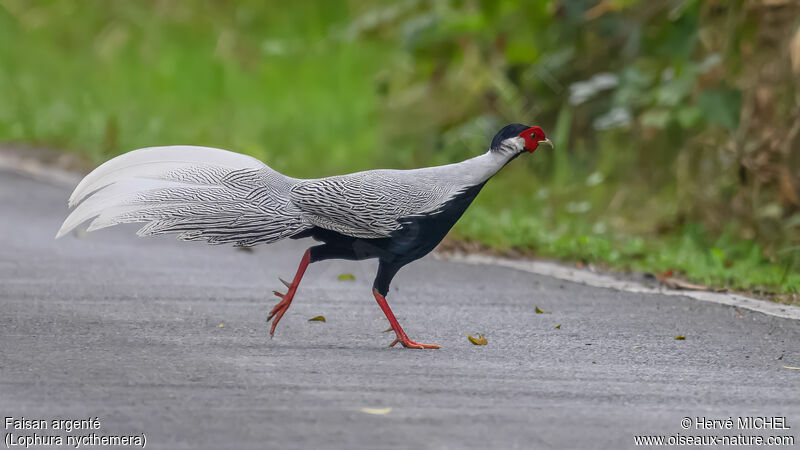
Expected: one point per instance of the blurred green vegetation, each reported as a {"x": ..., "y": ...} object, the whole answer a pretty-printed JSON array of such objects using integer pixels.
[{"x": 676, "y": 121}]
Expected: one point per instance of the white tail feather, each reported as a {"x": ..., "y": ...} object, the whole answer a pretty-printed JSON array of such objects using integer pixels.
[
  {"x": 202, "y": 193},
  {"x": 154, "y": 160}
]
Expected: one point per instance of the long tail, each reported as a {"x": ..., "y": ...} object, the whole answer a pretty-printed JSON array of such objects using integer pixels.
[{"x": 199, "y": 192}]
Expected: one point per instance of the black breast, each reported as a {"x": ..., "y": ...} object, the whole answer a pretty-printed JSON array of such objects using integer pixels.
[{"x": 421, "y": 234}]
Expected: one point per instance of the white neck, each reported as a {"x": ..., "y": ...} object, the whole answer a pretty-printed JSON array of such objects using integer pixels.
[{"x": 477, "y": 170}]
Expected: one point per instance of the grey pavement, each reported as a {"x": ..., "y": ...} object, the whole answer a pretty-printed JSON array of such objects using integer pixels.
[{"x": 169, "y": 339}]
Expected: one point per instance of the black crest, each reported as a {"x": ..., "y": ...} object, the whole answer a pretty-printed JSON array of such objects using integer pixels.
[{"x": 508, "y": 131}]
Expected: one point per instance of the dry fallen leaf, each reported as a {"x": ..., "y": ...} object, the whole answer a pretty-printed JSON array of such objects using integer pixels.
[
  {"x": 317, "y": 319},
  {"x": 376, "y": 411},
  {"x": 637, "y": 346},
  {"x": 794, "y": 52},
  {"x": 664, "y": 275},
  {"x": 347, "y": 277},
  {"x": 674, "y": 283},
  {"x": 680, "y": 338},
  {"x": 541, "y": 311},
  {"x": 557, "y": 327},
  {"x": 480, "y": 340},
  {"x": 221, "y": 324},
  {"x": 791, "y": 368}
]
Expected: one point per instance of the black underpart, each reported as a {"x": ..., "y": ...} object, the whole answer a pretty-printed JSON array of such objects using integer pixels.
[{"x": 417, "y": 236}]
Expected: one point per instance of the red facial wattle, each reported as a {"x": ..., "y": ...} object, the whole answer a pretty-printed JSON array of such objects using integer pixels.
[{"x": 532, "y": 137}]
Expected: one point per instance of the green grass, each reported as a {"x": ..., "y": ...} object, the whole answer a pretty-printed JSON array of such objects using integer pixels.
[
  {"x": 689, "y": 252},
  {"x": 281, "y": 82},
  {"x": 266, "y": 81}
]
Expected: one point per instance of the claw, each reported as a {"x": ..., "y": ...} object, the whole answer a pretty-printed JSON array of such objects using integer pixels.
[
  {"x": 408, "y": 343},
  {"x": 401, "y": 335},
  {"x": 286, "y": 299}
]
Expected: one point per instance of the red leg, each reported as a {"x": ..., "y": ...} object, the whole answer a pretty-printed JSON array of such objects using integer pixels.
[
  {"x": 398, "y": 330},
  {"x": 286, "y": 299}
]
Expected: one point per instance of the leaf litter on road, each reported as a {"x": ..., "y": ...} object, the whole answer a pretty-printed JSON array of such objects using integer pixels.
[
  {"x": 376, "y": 411},
  {"x": 480, "y": 340}
]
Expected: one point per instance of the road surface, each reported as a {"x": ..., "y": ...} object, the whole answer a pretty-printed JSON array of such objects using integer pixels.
[{"x": 168, "y": 340}]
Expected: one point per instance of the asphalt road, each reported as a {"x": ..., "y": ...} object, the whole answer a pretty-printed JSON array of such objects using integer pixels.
[{"x": 168, "y": 339}]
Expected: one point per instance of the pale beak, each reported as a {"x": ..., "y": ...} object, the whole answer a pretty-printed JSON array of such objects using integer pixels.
[{"x": 548, "y": 143}]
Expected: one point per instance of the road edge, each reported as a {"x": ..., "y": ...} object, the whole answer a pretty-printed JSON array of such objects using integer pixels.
[
  {"x": 590, "y": 278},
  {"x": 15, "y": 162}
]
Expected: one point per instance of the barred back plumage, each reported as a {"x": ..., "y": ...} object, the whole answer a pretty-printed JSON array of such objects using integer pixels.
[{"x": 369, "y": 204}]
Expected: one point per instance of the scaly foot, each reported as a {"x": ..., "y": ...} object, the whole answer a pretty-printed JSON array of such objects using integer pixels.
[
  {"x": 398, "y": 330},
  {"x": 408, "y": 343},
  {"x": 280, "y": 309},
  {"x": 286, "y": 299}
]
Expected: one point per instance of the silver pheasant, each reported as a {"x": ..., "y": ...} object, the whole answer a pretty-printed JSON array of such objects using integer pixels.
[{"x": 223, "y": 197}]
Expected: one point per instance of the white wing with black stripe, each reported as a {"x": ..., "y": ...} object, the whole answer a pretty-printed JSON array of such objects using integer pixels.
[{"x": 371, "y": 204}]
